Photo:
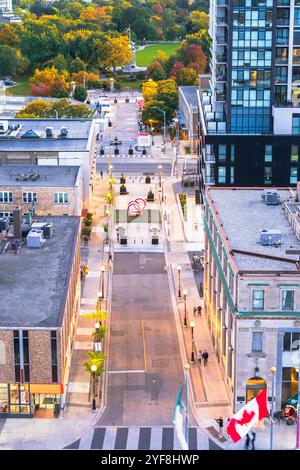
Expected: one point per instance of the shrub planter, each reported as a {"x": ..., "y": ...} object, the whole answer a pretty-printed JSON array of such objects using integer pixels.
[
  {"x": 123, "y": 241},
  {"x": 101, "y": 152},
  {"x": 115, "y": 100},
  {"x": 130, "y": 152},
  {"x": 144, "y": 152},
  {"x": 150, "y": 196},
  {"x": 122, "y": 180},
  {"x": 117, "y": 152},
  {"x": 123, "y": 189},
  {"x": 127, "y": 100},
  {"x": 147, "y": 180},
  {"x": 155, "y": 241}
]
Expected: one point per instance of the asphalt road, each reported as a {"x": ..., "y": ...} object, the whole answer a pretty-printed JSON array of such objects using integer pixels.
[{"x": 144, "y": 363}]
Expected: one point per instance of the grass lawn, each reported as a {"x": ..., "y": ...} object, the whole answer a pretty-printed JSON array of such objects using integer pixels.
[
  {"x": 134, "y": 85},
  {"x": 22, "y": 88},
  {"x": 145, "y": 57}
]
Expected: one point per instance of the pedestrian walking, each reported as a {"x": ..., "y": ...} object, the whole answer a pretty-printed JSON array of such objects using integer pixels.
[
  {"x": 247, "y": 442},
  {"x": 86, "y": 240},
  {"x": 199, "y": 357},
  {"x": 205, "y": 357},
  {"x": 101, "y": 174},
  {"x": 201, "y": 289},
  {"x": 220, "y": 422},
  {"x": 109, "y": 257},
  {"x": 101, "y": 137},
  {"x": 195, "y": 311},
  {"x": 199, "y": 310},
  {"x": 253, "y": 437}
]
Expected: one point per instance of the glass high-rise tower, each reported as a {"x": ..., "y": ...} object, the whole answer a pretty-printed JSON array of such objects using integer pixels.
[{"x": 255, "y": 91}]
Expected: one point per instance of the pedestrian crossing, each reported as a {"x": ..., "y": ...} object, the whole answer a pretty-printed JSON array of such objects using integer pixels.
[
  {"x": 125, "y": 155},
  {"x": 139, "y": 438}
]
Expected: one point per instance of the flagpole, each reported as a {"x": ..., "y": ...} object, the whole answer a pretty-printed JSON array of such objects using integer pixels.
[{"x": 187, "y": 369}]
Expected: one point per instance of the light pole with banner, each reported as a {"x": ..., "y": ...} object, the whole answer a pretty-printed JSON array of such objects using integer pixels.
[{"x": 165, "y": 124}]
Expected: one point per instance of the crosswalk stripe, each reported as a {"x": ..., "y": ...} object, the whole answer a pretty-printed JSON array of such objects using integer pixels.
[
  {"x": 121, "y": 439},
  {"x": 98, "y": 438},
  {"x": 110, "y": 438},
  {"x": 86, "y": 440},
  {"x": 133, "y": 438},
  {"x": 156, "y": 438}
]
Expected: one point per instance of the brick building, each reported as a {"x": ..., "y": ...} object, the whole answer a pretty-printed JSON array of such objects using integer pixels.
[
  {"x": 40, "y": 299},
  {"x": 252, "y": 289},
  {"x": 49, "y": 190}
]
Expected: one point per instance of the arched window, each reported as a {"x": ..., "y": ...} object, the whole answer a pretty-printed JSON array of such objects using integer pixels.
[{"x": 254, "y": 386}]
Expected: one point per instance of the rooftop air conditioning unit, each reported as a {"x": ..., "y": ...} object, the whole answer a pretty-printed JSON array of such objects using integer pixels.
[
  {"x": 64, "y": 131},
  {"x": 4, "y": 223},
  {"x": 48, "y": 230},
  {"x": 271, "y": 197},
  {"x": 3, "y": 127},
  {"x": 270, "y": 237},
  {"x": 49, "y": 131},
  {"x": 35, "y": 239}
]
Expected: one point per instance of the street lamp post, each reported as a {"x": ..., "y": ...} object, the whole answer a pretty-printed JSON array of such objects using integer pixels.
[
  {"x": 179, "y": 281},
  {"x": 97, "y": 344},
  {"x": 160, "y": 176},
  {"x": 187, "y": 370},
  {"x": 273, "y": 371},
  {"x": 165, "y": 124},
  {"x": 100, "y": 296},
  {"x": 102, "y": 279},
  {"x": 185, "y": 318},
  {"x": 192, "y": 325},
  {"x": 93, "y": 369}
]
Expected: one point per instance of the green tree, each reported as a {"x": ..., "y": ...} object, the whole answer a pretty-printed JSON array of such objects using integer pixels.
[
  {"x": 156, "y": 71},
  {"x": 77, "y": 65},
  {"x": 8, "y": 61},
  {"x": 80, "y": 93}
]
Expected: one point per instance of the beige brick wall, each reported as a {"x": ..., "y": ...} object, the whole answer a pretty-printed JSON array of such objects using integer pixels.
[
  {"x": 45, "y": 200},
  {"x": 40, "y": 356},
  {"x": 7, "y": 371}
]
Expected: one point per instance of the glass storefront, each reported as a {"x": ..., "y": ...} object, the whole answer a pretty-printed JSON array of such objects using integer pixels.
[
  {"x": 16, "y": 399},
  {"x": 254, "y": 386},
  {"x": 289, "y": 383}
]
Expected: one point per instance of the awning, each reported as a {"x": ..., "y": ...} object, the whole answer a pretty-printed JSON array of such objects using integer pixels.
[{"x": 46, "y": 388}]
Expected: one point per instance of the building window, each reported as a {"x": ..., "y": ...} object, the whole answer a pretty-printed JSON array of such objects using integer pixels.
[
  {"x": 60, "y": 198},
  {"x": 268, "y": 175},
  {"x": 231, "y": 175},
  {"x": 19, "y": 398},
  {"x": 291, "y": 341},
  {"x": 21, "y": 361},
  {"x": 290, "y": 377},
  {"x": 6, "y": 196},
  {"x": 222, "y": 174},
  {"x": 54, "y": 356},
  {"x": 29, "y": 197},
  {"x": 294, "y": 153},
  {"x": 268, "y": 153},
  {"x": 26, "y": 356},
  {"x": 17, "y": 355},
  {"x": 295, "y": 124},
  {"x": 3, "y": 398},
  {"x": 287, "y": 300},
  {"x": 222, "y": 152},
  {"x": 232, "y": 153},
  {"x": 258, "y": 297},
  {"x": 257, "y": 338},
  {"x": 293, "y": 175}
]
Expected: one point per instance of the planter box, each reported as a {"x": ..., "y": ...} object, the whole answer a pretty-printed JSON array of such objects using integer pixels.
[
  {"x": 154, "y": 241},
  {"x": 147, "y": 180},
  {"x": 150, "y": 199},
  {"x": 123, "y": 241},
  {"x": 122, "y": 180},
  {"x": 123, "y": 191}
]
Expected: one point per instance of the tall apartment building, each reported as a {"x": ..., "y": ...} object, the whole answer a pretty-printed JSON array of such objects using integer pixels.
[
  {"x": 250, "y": 116},
  {"x": 252, "y": 290}
]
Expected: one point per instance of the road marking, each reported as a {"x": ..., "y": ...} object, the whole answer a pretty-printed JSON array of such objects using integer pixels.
[
  {"x": 126, "y": 371},
  {"x": 144, "y": 346}
]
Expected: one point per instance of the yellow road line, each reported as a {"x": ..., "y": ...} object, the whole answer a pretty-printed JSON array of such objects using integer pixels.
[{"x": 144, "y": 346}]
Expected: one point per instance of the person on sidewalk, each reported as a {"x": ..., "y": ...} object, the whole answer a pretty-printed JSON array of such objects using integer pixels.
[
  {"x": 110, "y": 257},
  {"x": 253, "y": 437},
  {"x": 199, "y": 357},
  {"x": 205, "y": 357},
  {"x": 199, "y": 310},
  {"x": 220, "y": 422},
  {"x": 101, "y": 174},
  {"x": 195, "y": 311},
  {"x": 247, "y": 442}
]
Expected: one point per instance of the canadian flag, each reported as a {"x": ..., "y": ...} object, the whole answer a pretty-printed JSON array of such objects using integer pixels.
[{"x": 255, "y": 410}]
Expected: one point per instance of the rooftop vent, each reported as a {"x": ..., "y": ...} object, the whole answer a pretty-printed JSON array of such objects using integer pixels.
[
  {"x": 271, "y": 197},
  {"x": 64, "y": 131},
  {"x": 49, "y": 131},
  {"x": 270, "y": 237}
]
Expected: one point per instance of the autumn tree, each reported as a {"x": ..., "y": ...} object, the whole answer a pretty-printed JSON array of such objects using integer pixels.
[
  {"x": 156, "y": 71},
  {"x": 118, "y": 52},
  {"x": 51, "y": 82},
  {"x": 187, "y": 76},
  {"x": 40, "y": 109},
  {"x": 199, "y": 20}
]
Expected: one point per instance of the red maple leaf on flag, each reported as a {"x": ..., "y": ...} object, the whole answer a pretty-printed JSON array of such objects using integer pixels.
[{"x": 231, "y": 428}]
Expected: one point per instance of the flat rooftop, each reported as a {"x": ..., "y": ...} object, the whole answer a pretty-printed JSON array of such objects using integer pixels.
[
  {"x": 33, "y": 284},
  {"x": 190, "y": 94},
  {"x": 243, "y": 215},
  {"x": 17, "y": 140},
  {"x": 49, "y": 175}
]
